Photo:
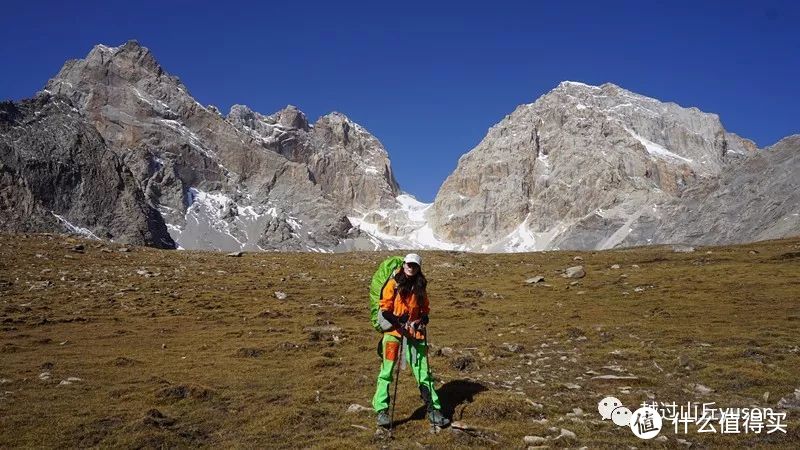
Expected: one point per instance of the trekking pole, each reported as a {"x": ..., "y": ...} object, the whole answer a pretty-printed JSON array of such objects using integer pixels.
[
  {"x": 427, "y": 348},
  {"x": 396, "y": 382}
]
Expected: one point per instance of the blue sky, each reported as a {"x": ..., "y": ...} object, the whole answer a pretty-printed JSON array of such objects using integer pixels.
[{"x": 429, "y": 78}]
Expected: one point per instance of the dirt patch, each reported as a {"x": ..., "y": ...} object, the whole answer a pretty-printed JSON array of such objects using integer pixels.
[{"x": 185, "y": 391}]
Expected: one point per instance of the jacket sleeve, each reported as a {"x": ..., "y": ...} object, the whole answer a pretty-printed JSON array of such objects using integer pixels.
[
  {"x": 387, "y": 296},
  {"x": 426, "y": 306}
]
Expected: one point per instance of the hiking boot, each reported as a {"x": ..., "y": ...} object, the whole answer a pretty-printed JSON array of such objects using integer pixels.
[
  {"x": 437, "y": 418},
  {"x": 383, "y": 418}
]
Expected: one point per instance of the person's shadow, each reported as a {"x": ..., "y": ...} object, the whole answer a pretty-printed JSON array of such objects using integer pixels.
[{"x": 451, "y": 394}]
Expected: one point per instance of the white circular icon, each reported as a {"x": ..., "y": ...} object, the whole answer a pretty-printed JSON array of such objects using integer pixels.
[
  {"x": 607, "y": 405},
  {"x": 645, "y": 422},
  {"x": 621, "y": 416}
]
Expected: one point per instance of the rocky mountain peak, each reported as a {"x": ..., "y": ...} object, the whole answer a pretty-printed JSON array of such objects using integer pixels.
[
  {"x": 131, "y": 53},
  {"x": 291, "y": 117},
  {"x": 578, "y": 160},
  {"x": 337, "y": 129},
  {"x": 132, "y": 62},
  {"x": 581, "y": 167}
]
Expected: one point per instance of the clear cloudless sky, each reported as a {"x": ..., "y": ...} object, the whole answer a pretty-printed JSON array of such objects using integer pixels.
[{"x": 429, "y": 78}]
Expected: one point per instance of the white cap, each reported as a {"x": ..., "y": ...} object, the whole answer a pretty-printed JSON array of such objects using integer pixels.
[{"x": 413, "y": 258}]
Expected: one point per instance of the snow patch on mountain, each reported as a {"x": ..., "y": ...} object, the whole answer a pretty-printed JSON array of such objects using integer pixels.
[
  {"x": 75, "y": 229},
  {"x": 215, "y": 220},
  {"x": 657, "y": 150}
]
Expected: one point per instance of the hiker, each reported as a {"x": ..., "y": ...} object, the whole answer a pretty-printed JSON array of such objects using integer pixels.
[{"x": 404, "y": 304}]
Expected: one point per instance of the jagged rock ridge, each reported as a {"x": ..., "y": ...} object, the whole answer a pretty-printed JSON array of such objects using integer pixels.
[
  {"x": 245, "y": 181},
  {"x": 583, "y": 167}
]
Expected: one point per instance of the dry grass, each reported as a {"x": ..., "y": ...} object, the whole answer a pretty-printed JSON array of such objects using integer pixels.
[{"x": 179, "y": 349}]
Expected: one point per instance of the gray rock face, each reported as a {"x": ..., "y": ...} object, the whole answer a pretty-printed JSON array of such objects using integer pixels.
[
  {"x": 57, "y": 174},
  {"x": 348, "y": 164},
  {"x": 245, "y": 182},
  {"x": 116, "y": 147},
  {"x": 586, "y": 167},
  {"x": 755, "y": 200}
]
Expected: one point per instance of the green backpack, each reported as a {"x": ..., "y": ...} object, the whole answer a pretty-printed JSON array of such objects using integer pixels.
[{"x": 386, "y": 269}]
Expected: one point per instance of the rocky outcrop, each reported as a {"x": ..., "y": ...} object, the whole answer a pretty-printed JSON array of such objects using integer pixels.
[
  {"x": 756, "y": 200},
  {"x": 577, "y": 167},
  {"x": 347, "y": 162},
  {"x": 247, "y": 181},
  {"x": 57, "y": 174},
  {"x": 352, "y": 165}
]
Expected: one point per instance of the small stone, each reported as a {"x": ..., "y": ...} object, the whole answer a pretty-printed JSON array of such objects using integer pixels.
[
  {"x": 4, "y": 381},
  {"x": 534, "y": 440},
  {"x": 615, "y": 377},
  {"x": 536, "y": 279},
  {"x": 74, "y": 379},
  {"x": 577, "y": 258},
  {"x": 615, "y": 266},
  {"x": 445, "y": 351},
  {"x": 578, "y": 412},
  {"x": 574, "y": 283},
  {"x": 64, "y": 383},
  {"x": 460, "y": 425},
  {"x": 571, "y": 386},
  {"x": 537, "y": 406},
  {"x": 356, "y": 408},
  {"x": 683, "y": 249},
  {"x": 567, "y": 435},
  {"x": 280, "y": 295},
  {"x": 791, "y": 401},
  {"x": 753, "y": 252},
  {"x": 574, "y": 272},
  {"x": 661, "y": 439},
  {"x": 44, "y": 376},
  {"x": 235, "y": 254},
  {"x": 765, "y": 396},
  {"x": 513, "y": 348},
  {"x": 163, "y": 346},
  {"x": 702, "y": 389},
  {"x": 634, "y": 266},
  {"x": 683, "y": 442},
  {"x": 124, "y": 249},
  {"x": 105, "y": 250}
]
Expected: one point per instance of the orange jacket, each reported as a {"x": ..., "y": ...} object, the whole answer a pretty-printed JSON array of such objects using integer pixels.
[{"x": 398, "y": 305}]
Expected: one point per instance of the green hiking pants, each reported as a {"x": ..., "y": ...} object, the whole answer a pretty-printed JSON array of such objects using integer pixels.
[{"x": 417, "y": 357}]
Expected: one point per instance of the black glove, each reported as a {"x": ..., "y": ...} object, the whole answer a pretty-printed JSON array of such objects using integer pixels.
[
  {"x": 425, "y": 319},
  {"x": 397, "y": 322}
]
